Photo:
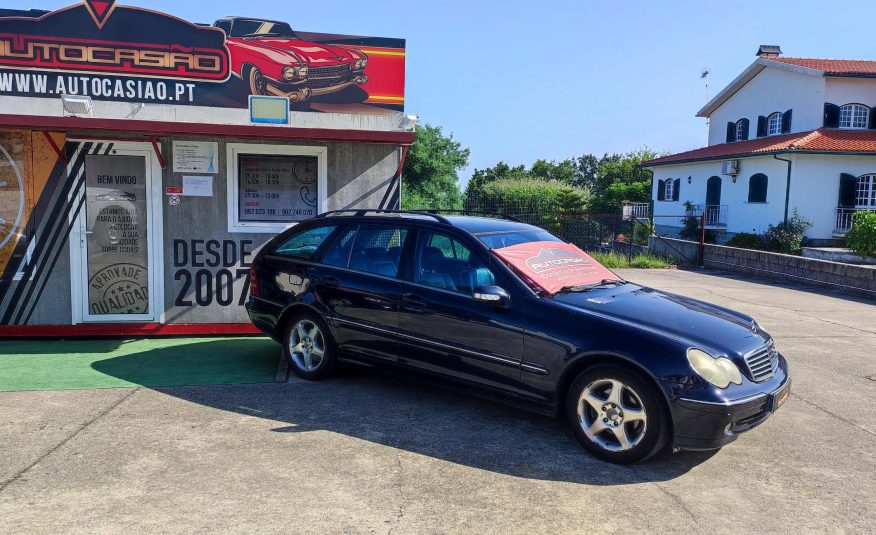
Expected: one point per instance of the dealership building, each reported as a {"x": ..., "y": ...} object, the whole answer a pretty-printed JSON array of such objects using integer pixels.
[{"x": 145, "y": 159}]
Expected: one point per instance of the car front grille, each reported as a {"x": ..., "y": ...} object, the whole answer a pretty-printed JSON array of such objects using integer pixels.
[
  {"x": 762, "y": 362},
  {"x": 328, "y": 72}
]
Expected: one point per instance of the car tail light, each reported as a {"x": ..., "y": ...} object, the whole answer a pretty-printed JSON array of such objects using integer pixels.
[{"x": 253, "y": 283}]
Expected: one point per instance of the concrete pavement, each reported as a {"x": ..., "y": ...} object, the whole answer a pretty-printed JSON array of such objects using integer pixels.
[{"x": 370, "y": 453}]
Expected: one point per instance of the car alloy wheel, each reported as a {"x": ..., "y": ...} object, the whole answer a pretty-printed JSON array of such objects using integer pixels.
[
  {"x": 612, "y": 415},
  {"x": 617, "y": 413},
  {"x": 307, "y": 345}
]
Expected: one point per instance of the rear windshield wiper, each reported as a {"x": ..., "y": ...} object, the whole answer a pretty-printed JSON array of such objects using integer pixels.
[{"x": 588, "y": 287}]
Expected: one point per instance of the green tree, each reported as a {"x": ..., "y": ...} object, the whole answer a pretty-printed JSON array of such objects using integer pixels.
[
  {"x": 431, "y": 178},
  {"x": 565, "y": 171}
]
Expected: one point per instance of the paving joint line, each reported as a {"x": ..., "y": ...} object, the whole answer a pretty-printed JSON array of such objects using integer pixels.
[
  {"x": 838, "y": 417},
  {"x": 75, "y": 433}
]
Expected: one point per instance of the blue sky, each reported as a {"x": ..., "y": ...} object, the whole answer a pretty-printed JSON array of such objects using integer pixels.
[{"x": 517, "y": 81}]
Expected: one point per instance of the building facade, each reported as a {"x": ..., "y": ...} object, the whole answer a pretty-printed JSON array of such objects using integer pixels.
[
  {"x": 144, "y": 160},
  {"x": 787, "y": 134}
]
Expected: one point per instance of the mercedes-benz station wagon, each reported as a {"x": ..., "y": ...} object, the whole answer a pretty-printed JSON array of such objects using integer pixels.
[{"x": 518, "y": 314}]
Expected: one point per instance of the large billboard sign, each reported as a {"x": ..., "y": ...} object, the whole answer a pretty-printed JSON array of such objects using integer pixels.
[{"x": 123, "y": 53}]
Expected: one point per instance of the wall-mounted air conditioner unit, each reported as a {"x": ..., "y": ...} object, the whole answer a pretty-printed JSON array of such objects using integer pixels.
[{"x": 730, "y": 167}]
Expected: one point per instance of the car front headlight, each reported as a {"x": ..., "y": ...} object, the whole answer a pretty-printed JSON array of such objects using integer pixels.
[
  {"x": 290, "y": 73},
  {"x": 717, "y": 371},
  {"x": 360, "y": 64}
]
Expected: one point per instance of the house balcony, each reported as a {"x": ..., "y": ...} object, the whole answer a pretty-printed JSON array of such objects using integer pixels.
[
  {"x": 637, "y": 210},
  {"x": 844, "y": 218},
  {"x": 716, "y": 215}
]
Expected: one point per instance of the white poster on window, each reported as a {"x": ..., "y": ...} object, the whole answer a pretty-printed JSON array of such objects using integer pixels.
[
  {"x": 195, "y": 157},
  {"x": 197, "y": 186}
]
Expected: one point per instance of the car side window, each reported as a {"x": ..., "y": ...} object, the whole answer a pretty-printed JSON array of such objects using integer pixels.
[
  {"x": 338, "y": 253},
  {"x": 304, "y": 244},
  {"x": 377, "y": 249},
  {"x": 444, "y": 262}
]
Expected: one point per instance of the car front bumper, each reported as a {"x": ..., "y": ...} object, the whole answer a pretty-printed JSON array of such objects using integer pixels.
[{"x": 705, "y": 425}]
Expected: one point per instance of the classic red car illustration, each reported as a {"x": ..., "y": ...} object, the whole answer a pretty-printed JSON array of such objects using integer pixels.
[{"x": 272, "y": 60}]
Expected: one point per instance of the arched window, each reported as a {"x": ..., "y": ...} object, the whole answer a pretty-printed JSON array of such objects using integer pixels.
[
  {"x": 865, "y": 194},
  {"x": 757, "y": 188},
  {"x": 854, "y": 116},
  {"x": 774, "y": 124},
  {"x": 670, "y": 190}
]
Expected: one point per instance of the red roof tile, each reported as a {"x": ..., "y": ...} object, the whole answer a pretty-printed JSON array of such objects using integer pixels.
[
  {"x": 833, "y": 67},
  {"x": 821, "y": 140}
]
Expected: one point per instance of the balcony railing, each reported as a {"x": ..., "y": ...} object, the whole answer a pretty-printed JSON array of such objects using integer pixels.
[
  {"x": 716, "y": 214},
  {"x": 844, "y": 218},
  {"x": 638, "y": 210}
]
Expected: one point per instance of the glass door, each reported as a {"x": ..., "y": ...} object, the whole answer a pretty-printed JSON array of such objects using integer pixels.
[{"x": 116, "y": 274}]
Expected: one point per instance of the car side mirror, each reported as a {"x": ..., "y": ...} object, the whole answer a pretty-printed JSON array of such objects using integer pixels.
[{"x": 493, "y": 295}]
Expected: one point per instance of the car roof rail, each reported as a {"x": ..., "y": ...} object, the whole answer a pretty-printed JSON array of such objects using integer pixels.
[
  {"x": 359, "y": 212},
  {"x": 476, "y": 213}
]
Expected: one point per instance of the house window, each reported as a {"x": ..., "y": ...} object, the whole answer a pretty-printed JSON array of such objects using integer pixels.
[
  {"x": 271, "y": 187},
  {"x": 774, "y": 124},
  {"x": 757, "y": 188},
  {"x": 865, "y": 195},
  {"x": 670, "y": 190},
  {"x": 740, "y": 130},
  {"x": 854, "y": 116}
]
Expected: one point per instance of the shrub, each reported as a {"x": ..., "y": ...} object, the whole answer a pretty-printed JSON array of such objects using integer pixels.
[
  {"x": 862, "y": 237},
  {"x": 787, "y": 236},
  {"x": 644, "y": 229},
  {"x": 691, "y": 227},
  {"x": 745, "y": 240}
]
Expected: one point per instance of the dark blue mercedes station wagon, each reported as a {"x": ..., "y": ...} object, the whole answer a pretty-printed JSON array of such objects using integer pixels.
[{"x": 500, "y": 305}]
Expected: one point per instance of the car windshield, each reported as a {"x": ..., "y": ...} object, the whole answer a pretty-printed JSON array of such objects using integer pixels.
[
  {"x": 507, "y": 238},
  {"x": 260, "y": 28},
  {"x": 553, "y": 266}
]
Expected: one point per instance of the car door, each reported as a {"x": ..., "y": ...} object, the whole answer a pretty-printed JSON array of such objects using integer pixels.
[
  {"x": 356, "y": 282},
  {"x": 442, "y": 328}
]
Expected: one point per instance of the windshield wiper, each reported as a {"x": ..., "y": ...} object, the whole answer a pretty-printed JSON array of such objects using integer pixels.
[{"x": 588, "y": 287}]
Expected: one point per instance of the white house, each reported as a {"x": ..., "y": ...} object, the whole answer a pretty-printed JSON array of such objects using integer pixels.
[{"x": 787, "y": 133}]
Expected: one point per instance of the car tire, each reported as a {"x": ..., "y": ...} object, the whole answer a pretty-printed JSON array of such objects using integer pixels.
[
  {"x": 616, "y": 414},
  {"x": 309, "y": 347},
  {"x": 258, "y": 84}
]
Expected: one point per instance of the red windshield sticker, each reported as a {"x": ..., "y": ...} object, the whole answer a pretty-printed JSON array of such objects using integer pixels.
[{"x": 554, "y": 265}]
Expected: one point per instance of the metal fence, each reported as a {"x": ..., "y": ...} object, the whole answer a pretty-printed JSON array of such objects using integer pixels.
[{"x": 627, "y": 233}]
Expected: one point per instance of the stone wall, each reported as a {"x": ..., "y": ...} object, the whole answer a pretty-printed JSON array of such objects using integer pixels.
[{"x": 846, "y": 278}]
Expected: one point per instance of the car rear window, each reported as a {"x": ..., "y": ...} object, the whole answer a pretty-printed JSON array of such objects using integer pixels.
[{"x": 305, "y": 243}]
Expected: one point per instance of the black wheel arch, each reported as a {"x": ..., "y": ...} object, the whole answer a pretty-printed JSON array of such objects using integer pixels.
[
  {"x": 583, "y": 362},
  {"x": 298, "y": 307}
]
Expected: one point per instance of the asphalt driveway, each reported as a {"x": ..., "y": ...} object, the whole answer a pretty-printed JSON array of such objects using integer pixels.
[{"x": 373, "y": 453}]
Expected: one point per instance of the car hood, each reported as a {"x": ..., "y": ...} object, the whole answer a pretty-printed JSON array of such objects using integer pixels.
[
  {"x": 311, "y": 54},
  {"x": 715, "y": 329}
]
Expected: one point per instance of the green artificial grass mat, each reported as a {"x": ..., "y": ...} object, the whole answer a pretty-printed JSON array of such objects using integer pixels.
[{"x": 113, "y": 363}]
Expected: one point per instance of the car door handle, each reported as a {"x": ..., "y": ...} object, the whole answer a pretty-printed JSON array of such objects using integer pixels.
[
  {"x": 413, "y": 301},
  {"x": 379, "y": 301},
  {"x": 331, "y": 282}
]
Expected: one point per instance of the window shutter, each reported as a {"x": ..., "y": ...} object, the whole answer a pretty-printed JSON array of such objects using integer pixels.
[
  {"x": 761, "y": 126},
  {"x": 872, "y": 125},
  {"x": 676, "y": 189},
  {"x": 757, "y": 188},
  {"x": 731, "y": 132},
  {"x": 847, "y": 190},
  {"x": 745, "y": 126},
  {"x": 661, "y": 190},
  {"x": 831, "y": 115},
  {"x": 786, "y": 122}
]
